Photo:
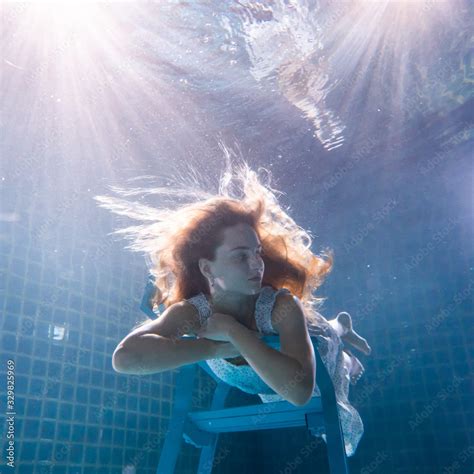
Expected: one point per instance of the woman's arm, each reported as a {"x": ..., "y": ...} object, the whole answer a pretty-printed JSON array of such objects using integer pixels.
[
  {"x": 157, "y": 345},
  {"x": 152, "y": 353},
  {"x": 291, "y": 372},
  {"x": 281, "y": 372}
]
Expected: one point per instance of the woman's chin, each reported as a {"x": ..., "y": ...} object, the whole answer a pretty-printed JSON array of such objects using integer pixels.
[{"x": 255, "y": 284}]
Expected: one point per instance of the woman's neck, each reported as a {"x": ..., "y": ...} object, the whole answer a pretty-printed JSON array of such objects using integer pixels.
[{"x": 238, "y": 305}]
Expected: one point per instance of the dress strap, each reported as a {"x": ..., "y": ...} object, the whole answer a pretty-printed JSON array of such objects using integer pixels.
[
  {"x": 264, "y": 308},
  {"x": 200, "y": 302}
]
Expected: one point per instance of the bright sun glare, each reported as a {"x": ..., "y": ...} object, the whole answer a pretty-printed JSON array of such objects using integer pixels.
[
  {"x": 88, "y": 61},
  {"x": 68, "y": 13}
]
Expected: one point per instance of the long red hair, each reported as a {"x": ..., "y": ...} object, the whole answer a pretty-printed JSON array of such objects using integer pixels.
[{"x": 177, "y": 238}]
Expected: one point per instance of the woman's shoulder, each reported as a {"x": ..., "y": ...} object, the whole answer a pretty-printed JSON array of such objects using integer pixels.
[
  {"x": 283, "y": 297},
  {"x": 177, "y": 319},
  {"x": 281, "y": 294},
  {"x": 270, "y": 298},
  {"x": 197, "y": 304},
  {"x": 269, "y": 295},
  {"x": 275, "y": 290}
]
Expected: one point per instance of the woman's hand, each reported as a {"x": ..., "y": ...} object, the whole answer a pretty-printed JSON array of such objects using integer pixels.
[{"x": 217, "y": 327}]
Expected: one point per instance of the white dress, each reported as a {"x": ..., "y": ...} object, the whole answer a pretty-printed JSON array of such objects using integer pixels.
[{"x": 330, "y": 346}]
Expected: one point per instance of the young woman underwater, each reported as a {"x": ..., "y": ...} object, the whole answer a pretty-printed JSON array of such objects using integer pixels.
[{"x": 229, "y": 269}]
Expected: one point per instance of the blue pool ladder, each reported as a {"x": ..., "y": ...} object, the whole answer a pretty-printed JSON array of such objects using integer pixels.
[{"x": 202, "y": 428}]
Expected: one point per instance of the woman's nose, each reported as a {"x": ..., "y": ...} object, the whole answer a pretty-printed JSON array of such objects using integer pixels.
[{"x": 256, "y": 265}]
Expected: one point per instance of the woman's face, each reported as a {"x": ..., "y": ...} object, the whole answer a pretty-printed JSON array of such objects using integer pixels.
[{"x": 238, "y": 259}]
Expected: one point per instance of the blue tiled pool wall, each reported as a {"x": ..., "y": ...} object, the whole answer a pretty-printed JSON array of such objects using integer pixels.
[
  {"x": 74, "y": 413},
  {"x": 58, "y": 405},
  {"x": 407, "y": 278}
]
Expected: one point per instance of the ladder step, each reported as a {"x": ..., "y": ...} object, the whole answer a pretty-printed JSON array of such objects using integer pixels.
[{"x": 255, "y": 417}]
